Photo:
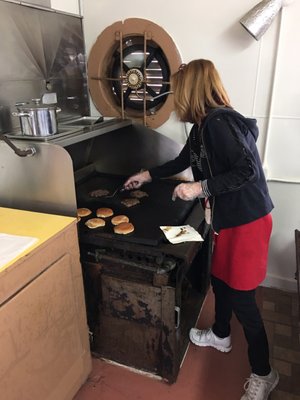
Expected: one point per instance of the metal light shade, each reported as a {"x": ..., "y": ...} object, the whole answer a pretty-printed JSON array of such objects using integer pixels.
[{"x": 260, "y": 17}]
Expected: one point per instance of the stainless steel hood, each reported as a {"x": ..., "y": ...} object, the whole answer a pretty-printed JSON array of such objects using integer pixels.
[
  {"x": 43, "y": 182},
  {"x": 41, "y": 52}
]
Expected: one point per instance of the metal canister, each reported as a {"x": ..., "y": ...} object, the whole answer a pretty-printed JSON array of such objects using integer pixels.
[{"x": 37, "y": 119}]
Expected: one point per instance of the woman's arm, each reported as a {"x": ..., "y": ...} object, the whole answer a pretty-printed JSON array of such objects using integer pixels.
[
  {"x": 170, "y": 168},
  {"x": 137, "y": 180}
]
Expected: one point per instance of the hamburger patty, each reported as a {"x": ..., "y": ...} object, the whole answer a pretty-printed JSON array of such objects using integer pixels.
[
  {"x": 99, "y": 193},
  {"x": 138, "y": 194},
  {"x": 130, "y": 202}
]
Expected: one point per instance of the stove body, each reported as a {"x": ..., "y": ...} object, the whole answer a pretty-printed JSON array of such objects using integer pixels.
[
  {"x": 143, "y": 294},
  {"x": 141, "y": 303}
]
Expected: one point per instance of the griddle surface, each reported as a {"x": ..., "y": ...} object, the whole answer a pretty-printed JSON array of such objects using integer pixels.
[{"x": 153, "y": 211}]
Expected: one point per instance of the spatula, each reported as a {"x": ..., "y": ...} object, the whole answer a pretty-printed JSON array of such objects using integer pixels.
[{"x": 119, "y": 189}]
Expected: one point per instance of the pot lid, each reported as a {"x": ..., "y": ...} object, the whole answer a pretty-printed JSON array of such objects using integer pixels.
[{"x": 34, "y": 105}]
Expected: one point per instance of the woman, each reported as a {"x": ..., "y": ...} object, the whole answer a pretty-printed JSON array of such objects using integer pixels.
[{"x": 229, "y": 179}]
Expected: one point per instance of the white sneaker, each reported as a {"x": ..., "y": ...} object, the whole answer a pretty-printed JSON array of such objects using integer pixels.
[
  {"x": 259, "y": 387},
  {"x": 206, "y": 338}
]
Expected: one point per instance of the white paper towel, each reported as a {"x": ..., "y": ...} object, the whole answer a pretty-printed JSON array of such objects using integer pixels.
[
  {"x": 12, "y": 245},
  {"x": 180, "y": 234}
]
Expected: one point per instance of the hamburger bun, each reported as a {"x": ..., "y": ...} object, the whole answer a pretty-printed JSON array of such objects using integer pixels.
[
  {"x": 124, "y": 228},
  {"x": 118, "y": 219},
  {"x": 83, "y": 212},
  {"x": 104, "y": 212},
  {"x": 94, "y": 223}
]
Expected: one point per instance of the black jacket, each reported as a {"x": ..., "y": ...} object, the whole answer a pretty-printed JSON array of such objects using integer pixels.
[{"x": 223, "y": 152}]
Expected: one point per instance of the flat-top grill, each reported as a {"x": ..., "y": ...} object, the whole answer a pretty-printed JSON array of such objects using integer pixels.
[{"x": 154, "y": 210}]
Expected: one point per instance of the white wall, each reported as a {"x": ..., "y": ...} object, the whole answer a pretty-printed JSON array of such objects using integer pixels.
[
  {"x": 282, "y": 264},
  {"x": 262, "y": 79},
  {"x": 69, "y": 6}
]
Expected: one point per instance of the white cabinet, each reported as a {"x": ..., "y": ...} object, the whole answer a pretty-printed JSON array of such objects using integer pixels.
[{"x": 44, "y": 343}]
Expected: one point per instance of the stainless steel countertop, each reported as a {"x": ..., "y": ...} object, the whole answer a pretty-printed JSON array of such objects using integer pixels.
[{"x": 69, "y": 134}]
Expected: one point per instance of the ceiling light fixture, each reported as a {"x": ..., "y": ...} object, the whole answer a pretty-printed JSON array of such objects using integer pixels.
[{"x": 261, "y": 16}]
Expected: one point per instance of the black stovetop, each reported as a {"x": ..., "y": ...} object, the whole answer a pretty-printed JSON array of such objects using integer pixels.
[{"x": 155, "y": 210}]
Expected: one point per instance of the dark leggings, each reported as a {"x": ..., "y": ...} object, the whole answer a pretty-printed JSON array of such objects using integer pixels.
[{"x": 243, "y": 304}]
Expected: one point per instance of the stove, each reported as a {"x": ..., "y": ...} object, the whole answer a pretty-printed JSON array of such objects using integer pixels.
[{"x": 141, "y": 302}]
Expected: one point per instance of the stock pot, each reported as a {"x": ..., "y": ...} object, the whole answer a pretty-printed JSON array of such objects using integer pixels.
[{"x": 37, "y": 119}]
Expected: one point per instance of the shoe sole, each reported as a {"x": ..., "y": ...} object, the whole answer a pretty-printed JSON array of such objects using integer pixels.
[
  {"x": 275, "y": 383},
  {"x": 219, "y": 348}
]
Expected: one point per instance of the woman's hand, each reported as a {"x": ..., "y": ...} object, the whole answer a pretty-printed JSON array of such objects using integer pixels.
[
  {"x": 137, "y": 180},
  {"x": 188, "y": 191}
]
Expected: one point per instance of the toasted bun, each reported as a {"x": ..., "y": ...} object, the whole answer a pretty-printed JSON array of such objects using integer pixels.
[
  {"x": 104, "y": 212},
  {"x": 83, "y": 212},
  {"x": 130, "y": 202},
  {"x": 124, "y": 228},
  {"x": 118, "y": 219},
  {"x": 94, "y": 223}
]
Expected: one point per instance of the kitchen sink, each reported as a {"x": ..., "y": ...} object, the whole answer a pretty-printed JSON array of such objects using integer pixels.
[{"x": 88, "y": 122}]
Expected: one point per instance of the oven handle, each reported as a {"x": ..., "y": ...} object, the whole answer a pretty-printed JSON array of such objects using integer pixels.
[
  {"x": 163, "y": 268},
  {"x": 177, "y": 317}
]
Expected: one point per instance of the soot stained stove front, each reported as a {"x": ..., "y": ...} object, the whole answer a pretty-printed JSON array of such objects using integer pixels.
[{"x": 143, "y": 294}]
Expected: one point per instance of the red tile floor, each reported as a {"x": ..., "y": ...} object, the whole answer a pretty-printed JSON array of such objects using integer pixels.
[{"x": 207, "y": 374}]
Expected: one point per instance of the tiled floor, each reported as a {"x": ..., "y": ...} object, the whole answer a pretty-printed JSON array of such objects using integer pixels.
[
  {"x": 280, "y": 313},
  {"x": 207, "y": 374}
]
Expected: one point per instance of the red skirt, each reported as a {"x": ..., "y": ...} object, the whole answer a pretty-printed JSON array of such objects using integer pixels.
[{"x": 240, "y": 254}]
